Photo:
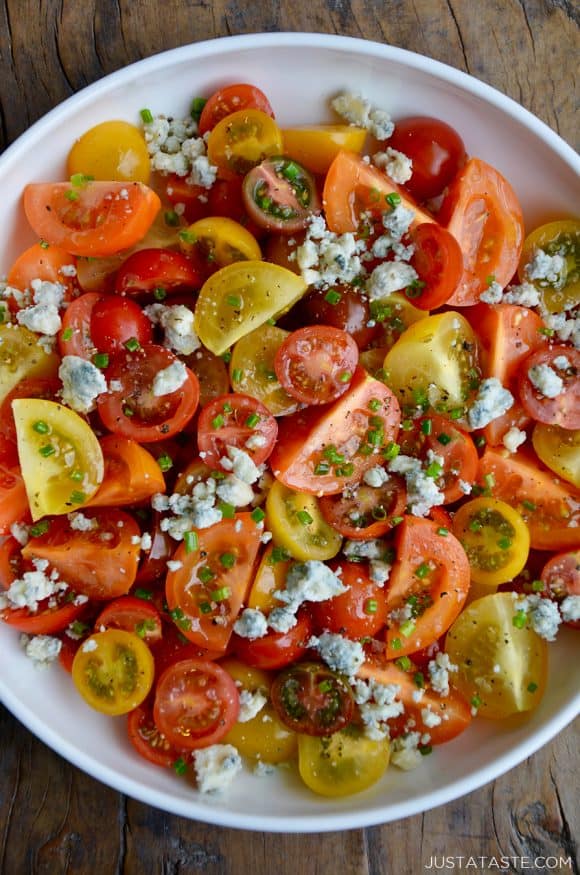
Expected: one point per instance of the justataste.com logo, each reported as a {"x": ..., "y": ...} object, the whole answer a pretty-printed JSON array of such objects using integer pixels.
[{"x": 485, "y": 864}]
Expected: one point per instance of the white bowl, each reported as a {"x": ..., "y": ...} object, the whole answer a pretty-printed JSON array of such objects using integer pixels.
[{"x": 298, "y": 72}]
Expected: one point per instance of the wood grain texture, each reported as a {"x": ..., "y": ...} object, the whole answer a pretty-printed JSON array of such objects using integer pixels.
[{"x": 53, "y": 818}]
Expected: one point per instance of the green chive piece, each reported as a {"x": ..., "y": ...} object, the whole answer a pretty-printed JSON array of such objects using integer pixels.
[
  {"x": 504, "y": 543},
  {"x": 407, "y": 425},
  {"x": 187, "y": 237},
  {"x": 227, "y": 407},
  {"x": 226, "y": 356},
  {"x": 345, "y": 470},
  {"x": 132, "y": 344},
  {"x": 532, "y": 687},
  {"x": 252, "y": 420},
  {"x": 475, "y": 702},
  {"x": 371, "y": 606},
  {"x": 237, "y": 375},
  {"x": 444, "y": 439},
  {"x": 146, "y": 116},
  {"x": 205, "y": 607},
  {"x": 191, "y": 541},
  {"x": 171, "y": 218},
  {"x": 519, "y": 619},
  {"x": 145, "y": 594},
  {"x": 396, "y": 520},
  {"x": 67, "y": 334},
  {"x": 180, "y": 766},
  {"x": 47, "y": 450},
  {"x": 197, "y": 105},
  {"x": 427, "y": 426},
  {"x": 304, "y": 518},
  {"x": 228, "y": 511},
  {"x": 391, "y": 451},
  {"x": 205, "y": 574},
  {"x": 403, "y": 662},
  {"x": 456, "y": 413},
  {"x": 426, "y": 750},
  {"x": 419, "y": 679},
  {"x": 480, "y": 441},
  {"x": 374, "y": 404},
  {"x": 345, "y": 377},
  {"x": 538, "y": 586},
  {"x": 332, "y": 297},
  {"x": 40, "y": 528},
  {"x": 71, "y": 195},
  {"x": 143, "y": 627},
  {"x": 258, "y": 515},
  {"x": 217, "y": 421},
  {"x": 221, "y": 594},
  {"x": 396, "y": 644},
  {"x": 278, "y": 554},
  {"x": 443, "y": 531},
  {"x": 41, "y": 427},
  {"x": 434, "y": 470},
  {"x": 234, "y": 301},
  {"x": 159, "y": 293},
  {"x": 393, "y": 199},
  {"x": 165, "y": 462},
  {"x": 422, "y": 570},
  {"x": 228, "y": 560},
  {"x": 321, "y": 469},
  {"x": 78, "y": 497},
  {"x": 101, "y": 360},
  {"x": 77, "y": 476},
  {"x": 407, "y": 628},
  {"x": 128, "y": 411},
  {"x": 43, "y": 244},
  {"x": 529, "y": 505}
]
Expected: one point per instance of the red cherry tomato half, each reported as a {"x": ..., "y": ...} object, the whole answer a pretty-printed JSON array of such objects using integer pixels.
[
  {"x": 362, "y": 512},
  {"x": 280, "y": 195},
  {"x": 316, "y": 364},
  {"x": 561, "y": 578},
  {"x": 231, "y": 99},
  {"x": 340, "y": 307},
  {"x": 439, "y": 262},
  {"x": 225, "y": 199},
  {"x": 558, "y": 363},
  {"x": 133, "y": 615},
  {"x": 74, "y": 338},
  {"x": 149, "y": 269},
  {"x": 230, "y": 421},
  {"x": 275, "y": 649},
  {"x": 147, "y": 740},
  {"x": 196, "y": 704},
  {"x": 132, "y": 410},
  {"x": 115, "y": 320},
  {"x": 312, "y": 699},
  {"x": 359, "y": 612},
  {"x": 193, "y": 197},
  {"x": 35, "y": 387},
  {"x": 437, "y": 152}
]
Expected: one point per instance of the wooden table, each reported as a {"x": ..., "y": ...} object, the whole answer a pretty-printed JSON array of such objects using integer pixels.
[{"x": 53, "y": 818}]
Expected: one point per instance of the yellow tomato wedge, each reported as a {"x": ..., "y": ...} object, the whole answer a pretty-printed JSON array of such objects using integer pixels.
[
  {"x": 221, "y": 241},
  {"x": 297, "y": 524},
  {"x": 21, "y": 357},
  {"x": 60, "y": 456},
  {"x": 112, "y": 150},
  {"x": 243, "y": 139},
  {"x": 270, "y": 576},
  {"x": 345, "y": 763},
  {"x": 396, "y": 313},
  {"x": 252, "y": 369},
  {"x": 559, "y": 449},
  {"x": 113, "y": 671},
  {"x": 495, "y": 539},
  {"x": 241, "y": 297},
  {"x": 556, "y": 238},
  {"x": 316, "y": 146},
  {"x": 502, "y": 668}
]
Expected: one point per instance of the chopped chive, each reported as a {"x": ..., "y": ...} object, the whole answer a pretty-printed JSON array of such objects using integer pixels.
[
  {"x": 77, "y": 476},
  {"x": 128, "y": 411},
  {"x": 475, "y": 702},
  {"x": 371, "y": 606},
  {"x": 191, "y": 542},
  {"x": 393, "y": 199},
  {"x": 419, "y": 679},
  {"x": 304, "y": 518},
  {"x": 221, "y": 594},
  {"x": 375, "y": 437},
  {"x": 422, "y": 570},
  {"x": 205, "y": 574},
  {"x": 391, "y": 451},
  {"x": 67, "y": 334},
  {"x": 143, "y": 627},
  {"x": 443, "y": 531},
  {"x": 444, "y": 439},
  {"x": 228, "y": 511},
  {"x": 396, "y": 644},
  {"x": 205, "y": 607},
  {"x": 407, "y": 628},
  {"x": 41, "y": 427},
  {"x": 345, "y": 470},
  {"x": 234, "y": 301},
  {"x": 532, "y": 687},
  {"x": 47, "y": 450},
  {"x": 321, "y": 469},
  {"x": 101, "y": 360},
  {"x": 331, "y": 453},
  {"x": 480, "y": 441},
  {"x": 258, "y": 515},
  {"x": 187, "y": 237},
  {"x": 197, "y": 105},
  {"x": 146, "y": 116},
  {"x": 538, "y": 586},
  {"x": 519, "y": 619},
  {"x": 217, "y": 421},
  {"x": 252, "y": 420},
  {"x": 228, "y": 560},
  {"x": 43, "y": 244},
  {"x": 40, "y": 528},
  {"x": 396, "y": 520},
  {"x": 407, "y": 425},
  {"x": 345, "y": 377},
  {"x": 425, "y": 750},
  {"x": 475, "y": 525},
  {"x": 171, "y": 218},
  {"x": 71, "y": 195},
  {"x": 529, "y": 505},
  {"x": 180, "y": 766},
  {"x": 489, "y": 480},
  {"x": 236, "y": 375},
  {"x": 159, "y": 293},
  {"x": 504, "y": 543},
  {"x": 427, "y": 426},
  {"x": 165, "y": 462},
  {"x": 548, "y": 332},
  {"x": 374, "y": 404},
  {"x": 403, "y": 662},
  {"x": 77, "y": 497},
  {"x": 433, "y": 470},
  {"x": 226, "y": 356},
  {"x": 79, "y": 180},
  {"x": 332, "y": 297},
  {"x": 227, "y": 407},
  {"x": 132, "y": 344},
  {"x": 145, "y": 594},
  {"x": 278, "y": 554},
  {"x": 456, "y": 413}
]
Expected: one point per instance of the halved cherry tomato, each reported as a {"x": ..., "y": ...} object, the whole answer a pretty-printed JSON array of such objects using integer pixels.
[
  {"x": 342, "y": 307},
  {"x": 115, "y": 320},
  {"x": 495, "y": 538},
  {"x": 147, "y": 740},
  {"x": 34, "y": 387},
  {"x": 46, "y": 263},
  {"x": 229, "y": 99},
  {"x": 556, "y": 238},
  {"x": 559, "y": 449},
  {"x": 437, "y": 152},
  {"x": 429, "y": 581},
  {"x": 230, "y": 421},
  {"x": 298, "y": 526},
  {"x": 252, "y": 369},
  {"x": 217, "y": 242},
  {"x": 196, "y": 704},
  {"x": 74, "y": 338},
  {"x": 225, "y": 199},
  {"x": 280, "y": 195},
  {"x": 483, "y": 213},
  {"x": 150, "y": 269},
  {"x": 21, "y": 356},
  {"x": 312, "y": 699},
  {"x": 275, "y": 649},
  {"x": 134, "y": 615},
  {"x": 111, "y": 150},
  {"x": 316, "y": 146},
  {"x": 211, "y": 373},
  {"x": 548, "y": 505},
  {"x": 316, "y": 364},
  {"x": 206, "y": 593},
  {"x": 362, "y": 512},
  {"x": 352, "y": 186},
  {"x": 438, "y": 261},
  {"x": 323, "y": 450},
  {"x": 243, "y": 139},
  {"x": 131, "y": 409},
  {"x": 47, "y": 619},
  {"x": 342, "y": 764},
  {"x": 359, "y": 612},
  {"x": 93, "y": 219},
  {"x": 561, "y": 578},
  {"x": 13, "y": 497},
  {"x": 96, "y": 566},
  {"x": 193, "y": 198},
  {"x": 564, "y": 409}
]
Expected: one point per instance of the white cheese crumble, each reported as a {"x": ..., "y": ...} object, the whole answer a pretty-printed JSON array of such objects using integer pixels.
[
  {"x": 43, "y": 316},
  {"x": 389, "y": 277},
  {"x": 405, "y": 753},
  {"x": 524, "y": 295},
  {"x": 234, "y": 491},
  {"x": 177, "y": 323},
  {"x": 282, "y": 620},
  {"x": 82, "y": 383},
  {"x": 422, "y": 491},
  {"x": 430, "y": 718},
  {"x": 493, "y": 294},
  {"x": 310, "y": 581},
  {"x": 243, "y": 466},
  {"x": 561, "y": 362},
  {"x": 326, "y": 258},
  {"x": 545, "y": 379},
  {"x": 81, "y": 523},
  {"x": 195, "y": 511},
  {"x": 89, "y": 646},
  {"x": 362, "y": 550},
  {"x": 546, "y": 268},
  {"x": 174, "y": 148},
  {"x": 439, "y": 670},
  {"x": 251, "y": 703},
  {"x": 543, "y": 615},
  {"x": 377, "y": 703},
  {"x": 491, "y": 402},
  {"x": 340, "y": 654},
  {"x": 356, "y": 110},
  {"x": 170, "y": 379},
  {"x": 216, "y": 767},
  {"x": 395, "y": 164},
  {"x": 20, "y": 533},
  {"x": 570, "y": 608},
  {"x": 263, "y": 770},
  {"x": 41, "y": 649},
  {"x": 256, "y": 442},
  {"x": 398, "y": 221},
  {"x": 514, "y": 438},
  {"x": 251, "y": 624},
  {"x": 34, "y": 587}
]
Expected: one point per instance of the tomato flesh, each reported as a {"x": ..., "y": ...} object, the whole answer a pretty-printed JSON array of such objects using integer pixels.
[{"x": 316, "y": 364}]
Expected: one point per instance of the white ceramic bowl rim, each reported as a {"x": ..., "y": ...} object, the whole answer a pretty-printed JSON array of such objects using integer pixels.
[{"x": 347, "y": 819}]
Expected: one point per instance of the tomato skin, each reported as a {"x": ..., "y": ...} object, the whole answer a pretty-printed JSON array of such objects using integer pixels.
[
  {"x": 303, "y": 437},
  {"x": 437, "y": 152},
  {"x": 98, "y": 221},
  {"x": 90, "y": 565},
  {"x": 74, "y": 338},
  {"x": 291, "y": 202},
  {"x": 438, "y": 261},
  {"x": 348, "y": 613},
  {"x": 44, "y": 263},
  {"x": 230, "y": 99},
  {"x": 391, "y": 498},
  {"x": 350, "y": 314},
  {"x": 303, "y": 706},
  {"x": 134, "y": 615},
  {"x": 315, "y": 364},
  {"x": 14, "y": 506},
  {"x": 45, "y": 621},
  {"x": 243, "y": 139},
  {"x": 147, "y": 740},
  {"x": 148, "y": 269},
  {"x": 34, "y": 387},
  {"x": 193, "y": 197},
  {"x": 443, "y": 580},
  {"x": 196, "y": 704},
  {"x": 561, "y": 578},
  {"x": 225, "y": 199},
  {"x": 132, "y": 474},
  {"x": 114, "y": 320},
  {"x": 275, "y": 649},
  {"x": 234, "y": 432},
  {"x": 483, "y": 213},
  {"x": 564, "y": 409}
]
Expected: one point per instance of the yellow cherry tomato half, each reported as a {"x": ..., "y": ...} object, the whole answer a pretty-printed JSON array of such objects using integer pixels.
[
  {"x": 562, "y": 292},
  {"x": 435, "y": 360},
  {"x": 60, "y": 456},
  {"x": 241, "y": 297},
  {"x": 559, "y": 450},
  {"x": 495, "y": 539},
  {"x": 243, "y": 139},
  {"x": 21, "y": 357},
  {"x": 316, "y": 146},
  {"x": 112, "y": 150},
  {"x": 296, "y": 523},
  {"x": 342, "y": 764},
  {"x": 270, "y": 576},
  {"x": 220, "y": 241},
  {"x": 252, "y": 369},
  {"x": 502, "y": 668},
  {"x": 396, "y": 314},
  {"x": 113, "y": 671}
]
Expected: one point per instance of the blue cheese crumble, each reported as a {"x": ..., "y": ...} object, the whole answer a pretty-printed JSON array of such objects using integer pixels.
[
  {"x": 176, "y": 321},
  {"x": 422, "y": 491},
  {"x": 170, "y": 379},
  {"x": 41, "y": 649},
  {"x": 251, "y": 624},
  {"x": 398, "y": 166},
  {"x": 492, "y": 401},
  {"x": 357, "y": 110},
  {"x": 340, "y": 654},
  {"x": 216, "y": 767},
  {"x": 82, "y": 383},
  {"x": 545, "y": 380}
]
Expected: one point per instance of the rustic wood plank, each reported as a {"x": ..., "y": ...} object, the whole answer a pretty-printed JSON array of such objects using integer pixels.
[{"x": 53, "y": 818}]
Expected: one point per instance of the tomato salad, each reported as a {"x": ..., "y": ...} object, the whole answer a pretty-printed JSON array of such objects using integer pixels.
[{"x": 290, "y": 438}]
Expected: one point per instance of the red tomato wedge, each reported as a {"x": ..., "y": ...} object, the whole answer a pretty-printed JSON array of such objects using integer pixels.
[
  {"x": 564, "y": 409},
  {"x": 430, "y": 576},
  {"x": 549, "y": 506},
  {"x": 206, "y": 593},
  {"x": 368, "y": 511},
  {"x": 149, "y": 269},
  {"x": 147, "y": 740},
  {"x": 96, "y": 566},
  {"x": 352, "y": 186},
  {"x": 132, "y": 474},
  {"x": 94, "y": 219},
  {"x": 133, "y": 615},
  {"x": 321, "y": 450},
  {"x": 484, "y": 215},
  {"x": 74, "y": 338},
  {"x": 438, "y": 261},
  {"x": 230, "y": 99}
]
